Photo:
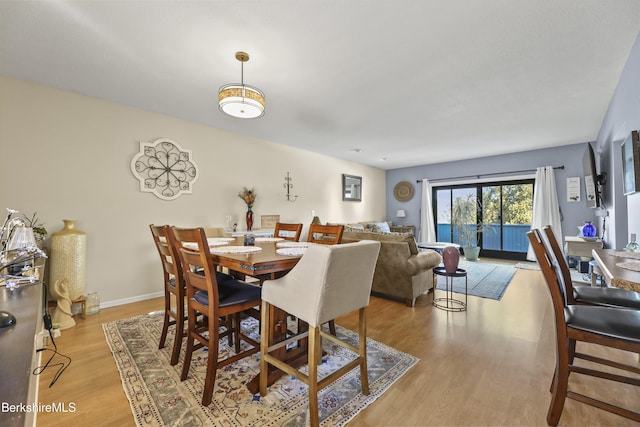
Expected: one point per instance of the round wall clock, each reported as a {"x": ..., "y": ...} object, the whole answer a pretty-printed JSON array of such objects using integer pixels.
[{"x": 403, "y": 191}]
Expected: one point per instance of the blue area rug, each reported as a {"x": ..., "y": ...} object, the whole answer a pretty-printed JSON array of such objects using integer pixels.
[{"x": 485, "y": 279}]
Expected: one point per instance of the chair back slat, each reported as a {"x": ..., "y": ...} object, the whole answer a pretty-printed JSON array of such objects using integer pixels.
[
  {"x": 165, "y": 244},
  {"x": 293, "y": 231},
  {"x": 560, "y": 264},
  {"x": 325, "y": 234},
  {"x": 196, "y": 263},
  {"x": 555, "y": 285}
]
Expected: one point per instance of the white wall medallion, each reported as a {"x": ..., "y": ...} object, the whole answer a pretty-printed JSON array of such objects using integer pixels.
[{"x": 164, "y": 169}]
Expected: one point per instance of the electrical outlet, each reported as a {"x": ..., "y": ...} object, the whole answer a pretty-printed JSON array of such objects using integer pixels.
[{"x": 42, "y": 339}]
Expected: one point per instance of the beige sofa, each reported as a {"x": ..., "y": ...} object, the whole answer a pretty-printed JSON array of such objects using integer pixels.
[{"x": 402, "y": 272}]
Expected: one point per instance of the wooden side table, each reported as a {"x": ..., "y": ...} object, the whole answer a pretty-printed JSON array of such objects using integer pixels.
[{"x": 580, "y": 247}]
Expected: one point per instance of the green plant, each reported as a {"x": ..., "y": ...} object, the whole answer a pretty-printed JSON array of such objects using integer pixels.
[
  {"x": 34, "y": 222},
  {"x": 464, "y": 214}
]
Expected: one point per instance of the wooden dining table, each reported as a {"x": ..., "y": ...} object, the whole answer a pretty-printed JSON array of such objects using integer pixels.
[
  {"x": 610, "y": 260},
  {"x": 267, "y": 264}
]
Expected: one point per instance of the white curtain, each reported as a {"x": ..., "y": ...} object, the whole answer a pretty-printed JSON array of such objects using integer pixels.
[
  {"x": 427, "y": 227},
  {"x": 546, "y": 209}
]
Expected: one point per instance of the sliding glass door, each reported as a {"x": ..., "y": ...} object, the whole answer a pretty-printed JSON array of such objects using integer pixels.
[{"x": 503, "y": 209}]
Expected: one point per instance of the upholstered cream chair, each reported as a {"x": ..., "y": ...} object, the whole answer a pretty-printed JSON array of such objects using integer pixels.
[{"x": 328, "y": 281}]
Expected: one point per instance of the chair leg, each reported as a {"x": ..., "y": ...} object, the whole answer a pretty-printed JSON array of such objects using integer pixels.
[
  {"x": 190, "y": 341},
  {"x": 234, "y": 322},
  {"x": 332, "y": 327},
  {"x": 212, "y": 360},
  {"x": 364, "y": 372},
  {"x": 560, "y": 386},
  {"x": 177, "y": 343},
  {"x": 264, "y": 346},
  {"x": 228, "y": 325},
  {"x": 314, "y": 343},
  {"x": 165, "y": 325}
]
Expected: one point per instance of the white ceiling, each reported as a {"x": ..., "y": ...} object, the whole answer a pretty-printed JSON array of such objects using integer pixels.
[{"x": 413, "y": 82}]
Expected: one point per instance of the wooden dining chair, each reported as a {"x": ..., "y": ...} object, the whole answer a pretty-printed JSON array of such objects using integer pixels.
[
  {"x": 616, "y": 328},
  {"x": 585, "y": 294},
  {"x": 291, "y": 231},
  {"x": 327, "y": 282},
  {"x": 213, "y": 300},
  {"x": 174, "y": 288},
  {"x": 325, "y": 234}
]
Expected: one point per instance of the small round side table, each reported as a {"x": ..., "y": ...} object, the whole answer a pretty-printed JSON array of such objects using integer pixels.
[{"x": 449, "y": 303}]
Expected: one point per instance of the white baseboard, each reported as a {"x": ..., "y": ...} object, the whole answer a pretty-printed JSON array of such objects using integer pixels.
[{"x": 130, "y": 300}]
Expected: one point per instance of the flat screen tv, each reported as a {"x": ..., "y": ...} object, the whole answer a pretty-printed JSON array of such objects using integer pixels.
[
  {"x": 631, "y": 163},
  {"x": 592, "y": 180}
]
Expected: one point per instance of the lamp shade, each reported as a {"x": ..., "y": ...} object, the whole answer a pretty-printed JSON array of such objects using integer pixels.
[
  {"x": 400, "y": 213},
  {"x": 22, "y": 237},
  {"x": 242, "y": 101}
]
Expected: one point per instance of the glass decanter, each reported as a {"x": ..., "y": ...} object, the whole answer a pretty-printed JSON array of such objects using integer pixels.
[{"x": 632, "y": 246}]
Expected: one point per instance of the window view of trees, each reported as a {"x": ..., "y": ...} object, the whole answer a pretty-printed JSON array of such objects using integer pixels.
[
  {"x": 504, "y": 214},
  {"x": 516, "y": 206}
]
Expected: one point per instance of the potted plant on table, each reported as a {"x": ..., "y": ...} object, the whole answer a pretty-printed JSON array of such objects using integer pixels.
[
  {"x": 464, "y": 213},
  {"x": 39, "y": 231}
]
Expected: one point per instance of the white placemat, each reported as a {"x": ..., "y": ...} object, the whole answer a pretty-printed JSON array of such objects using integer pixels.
[
  {"x": 289, "y": 244},
  {"x": 629, "y": 265},
  {"x": 268, "y": 239},
  {"x": 235, "y": 249},
  {"x": 213, "y": 242},
  {"x": 626, "y": 254},
  {"x": 291, "y": 251}
]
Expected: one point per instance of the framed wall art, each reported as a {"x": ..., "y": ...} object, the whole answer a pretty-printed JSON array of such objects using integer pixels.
[{"x": 164, "y": 169}]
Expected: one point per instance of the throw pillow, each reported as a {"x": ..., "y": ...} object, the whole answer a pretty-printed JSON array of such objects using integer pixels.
[{"x": 382, "y": 227}]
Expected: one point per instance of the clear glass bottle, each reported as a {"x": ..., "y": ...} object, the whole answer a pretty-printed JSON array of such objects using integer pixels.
[
  {"x": 92, "y": 303},
  {"x": 632, "y": 246}
]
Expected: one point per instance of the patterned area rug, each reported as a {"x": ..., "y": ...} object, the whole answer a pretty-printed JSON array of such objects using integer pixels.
[
  {"x": 159, "y": 398},
  {"x": 485, "y": 279}
]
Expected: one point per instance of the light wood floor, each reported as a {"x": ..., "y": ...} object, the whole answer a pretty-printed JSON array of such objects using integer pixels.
[{"x": 490, "y": 365}]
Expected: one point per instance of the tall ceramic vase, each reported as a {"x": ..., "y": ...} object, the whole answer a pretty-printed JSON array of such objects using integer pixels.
[
  {"x": 450, "y": 258},
  {"x": 249, "y": 219},
  {"x": 68, "y": 258}
]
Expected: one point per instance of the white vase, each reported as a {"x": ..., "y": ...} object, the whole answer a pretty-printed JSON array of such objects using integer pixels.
[{"x": 68, "y": 258}]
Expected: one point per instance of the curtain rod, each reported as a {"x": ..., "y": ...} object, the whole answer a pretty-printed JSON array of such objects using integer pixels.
[{"x": 486, "y": 174}]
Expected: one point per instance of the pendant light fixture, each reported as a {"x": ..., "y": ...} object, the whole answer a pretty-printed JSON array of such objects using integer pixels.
[{"x": 240, "y": 100}]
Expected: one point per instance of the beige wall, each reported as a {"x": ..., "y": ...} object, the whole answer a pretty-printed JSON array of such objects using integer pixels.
[{"x": 68, "y": 156}]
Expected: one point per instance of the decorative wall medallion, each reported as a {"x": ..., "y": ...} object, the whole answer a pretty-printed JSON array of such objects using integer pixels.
[
  {"x": 164, "y": 169},
  {"x": 403, "y": 191}
]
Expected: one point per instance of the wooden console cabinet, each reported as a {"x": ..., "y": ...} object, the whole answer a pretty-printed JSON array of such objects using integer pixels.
[{"x": 577, "y": 246}]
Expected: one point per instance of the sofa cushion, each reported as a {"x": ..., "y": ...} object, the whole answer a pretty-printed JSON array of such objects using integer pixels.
[
  {"x": 355, "y": 226},
  {"x": 382, "y": 227},
  {"x": 353, "y": 236}
]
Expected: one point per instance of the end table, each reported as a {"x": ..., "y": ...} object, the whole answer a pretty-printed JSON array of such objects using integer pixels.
[{"x": 449, "y": 303}]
